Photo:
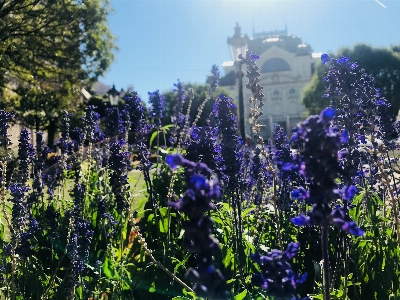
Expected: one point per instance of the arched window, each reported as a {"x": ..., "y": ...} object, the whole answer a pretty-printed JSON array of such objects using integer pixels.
[{"x": 275, "y": 65}]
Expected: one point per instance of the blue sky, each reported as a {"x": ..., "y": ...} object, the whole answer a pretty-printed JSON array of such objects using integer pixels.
[{"x": 162, "y": 40}]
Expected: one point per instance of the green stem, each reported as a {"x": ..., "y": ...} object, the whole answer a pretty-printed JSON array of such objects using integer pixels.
[
  {"x": 277, "y": 221},
  {"x": 325, "y": 257},
  {"x": 240, "y": 243}
]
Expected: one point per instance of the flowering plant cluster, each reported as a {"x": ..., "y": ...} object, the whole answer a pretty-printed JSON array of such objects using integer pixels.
[{"x": 105, "y": 215}]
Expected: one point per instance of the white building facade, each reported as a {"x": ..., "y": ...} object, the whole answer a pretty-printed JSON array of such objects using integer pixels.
[{"x": 286, "y": 67}]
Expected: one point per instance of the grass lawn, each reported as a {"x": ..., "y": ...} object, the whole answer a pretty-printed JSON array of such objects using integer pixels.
[{"x": 137, "y": 188}]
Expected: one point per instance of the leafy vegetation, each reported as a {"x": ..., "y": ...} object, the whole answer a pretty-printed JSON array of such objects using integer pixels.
[
  {"x": 49, "y": 50},
  {"x": 206, "y": 217},
  {"x": 382, "y": 63}
]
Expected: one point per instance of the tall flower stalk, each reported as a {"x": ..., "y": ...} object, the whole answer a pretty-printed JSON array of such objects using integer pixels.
[
  {"x": 200, "y": 192},
  {"x": 318, "y": 162},
  {"x": 256, "y": 100},
  {"x": 178, "y": 117}
]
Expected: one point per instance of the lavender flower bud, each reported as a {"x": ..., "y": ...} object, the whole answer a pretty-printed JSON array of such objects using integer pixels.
[
  {"x": 91, "y": 124},
  {"x": 158, "y": 103},
  {"x": 26, "y": 153},
  {"x": 5, "y": 118}
]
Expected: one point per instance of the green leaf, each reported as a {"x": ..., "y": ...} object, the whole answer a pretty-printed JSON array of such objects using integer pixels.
[
  {"x": 79, "y": 292},
  {"x": 94, "y": 218},
  {"x": 166, "y": 128},
  {"x": 153, "y": 136},
  {"x": 185, "y": 292},
  {"x": 109, "y": 272},
  {"x": 163, "y": 211},
  {"x": 339, "y": 293},
  {"x": 180, "y": 263},
  {"x": 150, "y": 217},
  {"x": 247, "y": 211},
  {"x": 163, "y": 224},
  {"x": 229, "y": 258},
  {"x": 241, "y": 295},
  {"x": 152, "y": 288}
]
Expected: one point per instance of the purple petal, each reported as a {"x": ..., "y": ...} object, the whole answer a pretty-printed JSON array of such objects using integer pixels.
[
  {"x": 174, "y": 160},
  {"x": 325, "y": 58},
  {"x": 345, "y": 137},
  {"x": 301, "y": 220}
]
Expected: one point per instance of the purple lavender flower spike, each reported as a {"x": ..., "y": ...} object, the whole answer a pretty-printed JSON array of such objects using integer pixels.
[
  {"x": 158, "y": 103},
  {"x": 77, "y": 137},
  {"x": 5, "y": 118},
  {"x": 200, "y": 190},
  {"x": 214, "y": 78},
  {"x": 19, "y": 213},
  {"x": 118, "y": 179},
  {"x": 319, "y": 163},
  {"x": 253, "y": 74},
  {"x": 114, "y": 123},
  {"x": 26, "y": 153},
  {"x": 91, "y": 124},
  {"x": 52, "y": 173},
  {"x": 178, "y": 119},
  {"x": 63, "y": 142},
  {"x": 225, "y": 121},
  {"x": 360, "y": 111},
  {"x": 203, "y": 146},
  {"x": 80, "y": 240},
  {"x": 276, "y": 274},
  {"x": 136, "y": 110}
]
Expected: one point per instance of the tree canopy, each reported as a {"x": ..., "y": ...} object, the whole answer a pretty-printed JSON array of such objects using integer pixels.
[
  {"x": 45, "y": 40},
  {"x": 48, "y": 51},
  {"x": 381, "y": 63}
]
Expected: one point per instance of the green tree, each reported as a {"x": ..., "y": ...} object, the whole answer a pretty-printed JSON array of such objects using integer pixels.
[
  {"x": 382, "y": 63},
  {"x": 200, "y": 93},
  {"x": 48, "y": 51}
]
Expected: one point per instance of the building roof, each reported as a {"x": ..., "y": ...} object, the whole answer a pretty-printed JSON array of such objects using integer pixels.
[
  {"x": 261, "y": 42},
  {"x": 100, "y": 88}
]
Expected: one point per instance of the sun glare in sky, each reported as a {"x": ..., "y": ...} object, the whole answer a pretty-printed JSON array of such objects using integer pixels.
[{"x": 163, "y": 40}]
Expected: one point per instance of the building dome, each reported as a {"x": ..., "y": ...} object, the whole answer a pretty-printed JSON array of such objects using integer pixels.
[{"x": 275, "y": 64}]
